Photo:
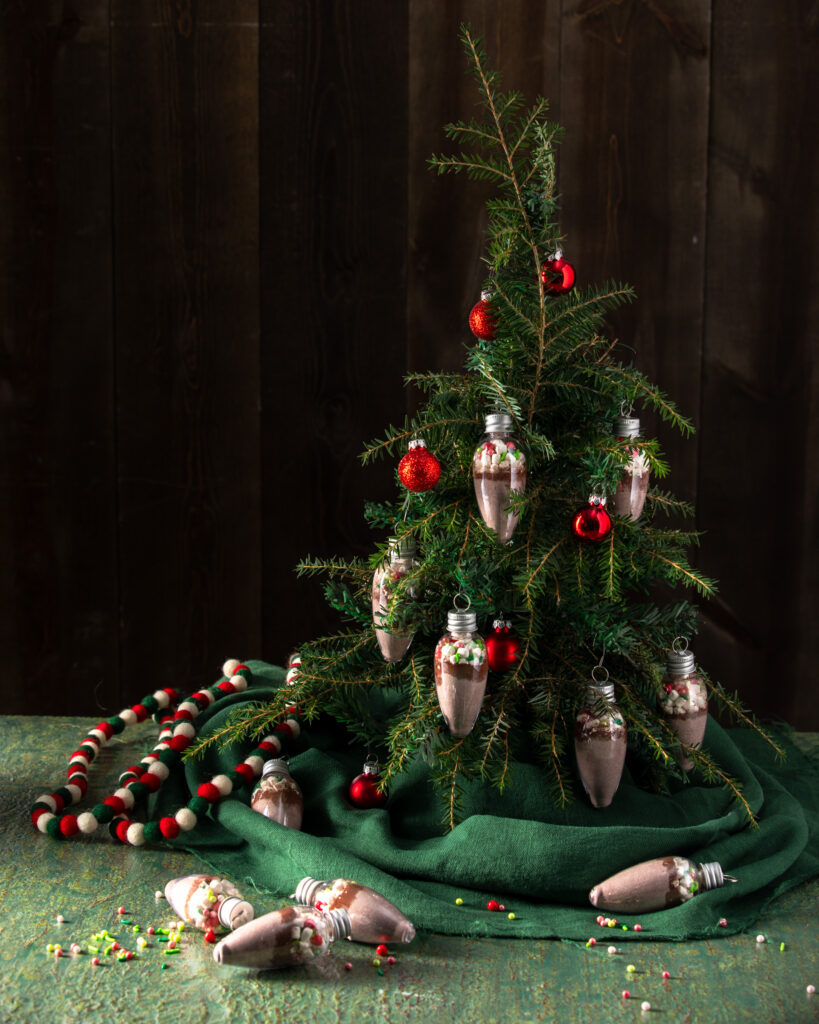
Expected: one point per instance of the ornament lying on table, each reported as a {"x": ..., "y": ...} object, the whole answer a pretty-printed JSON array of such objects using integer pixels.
[
  {"x": 277, "y": 795},
  {"x": 657, "y": 885},
  {"x": 284, "y": 938},
  {"x": 208, "y": 902},
  {"x": 373, "y": 918}
]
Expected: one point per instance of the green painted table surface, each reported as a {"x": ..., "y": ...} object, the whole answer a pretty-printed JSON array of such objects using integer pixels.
[{"x": 480, "y": 980}]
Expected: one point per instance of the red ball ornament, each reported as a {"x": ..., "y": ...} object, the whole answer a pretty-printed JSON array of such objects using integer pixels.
[
  {"x": 502, "y": 646},
  {"x": 592, "y": 523},
  {"x": 363, "y": 789},
  {"x": 419, "y": 470},
  {"x": 482, "y": 321},
  {"x": 557, "y": 275}
]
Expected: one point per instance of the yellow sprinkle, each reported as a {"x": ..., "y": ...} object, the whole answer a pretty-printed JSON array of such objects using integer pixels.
[
  {"x": 631, "y": 968},
  {"x": 376, "y": 961},
  {"x": 459, "y": 902},
  {"x": 511, "y": 916}
]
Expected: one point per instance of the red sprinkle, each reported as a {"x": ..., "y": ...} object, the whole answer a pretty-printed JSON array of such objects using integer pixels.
[
  {"x": 625, "y": 993},
  {"x": 210, "y": 935},
  {"x": 638, "y": 927},
  {"x": 723, "y": 923},
  {"x": 666, "y": 974},
  {"x": 493, "y": 905},
  {"x": 120, "y": 910},
  {"x": 592, "y": 941},
  {"x": 381, "y": 950},
  {"x": 390, "y": 960},
  {"x": 348, "y": 966}
]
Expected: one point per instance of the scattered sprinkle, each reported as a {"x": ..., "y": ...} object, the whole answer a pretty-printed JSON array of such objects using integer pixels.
[
  {"x": 760, "y": 938},
  {"x": 170, "y": 952},
  {"x": 376, "y": 961},
  {"x": 151, "y": 930},
  {"x": 493, "y": 905},
  {"x": 95, "y": 961},
  {"x": 136, "y": 928},
  {"x": 210, "y": 935},
  {"x": 60, "y": 919},
  {"x": 348, "y": 966},
  {"x": 645, "y": 1007},
  {"x": 638, "y": 927},
  {"x": 811, "y": 989},
  {"x": 666, "y": 974},
  {"x": 631, "y": 968},
  {"x": 391, "y": 960},
  {"x": 510, "y": 915},
  {"x": 172, "y": 944},
  {"x": 612, "y": 949},
  {"x": 501, "y": 907},
  {"x": 625, "y": 927},
  {"x": 164, "y": 967},
  {"x": 459, "y": 902},
  {"x": 723, "y": 922},
  {"x": 781, "y": 947},
  {"x": 121, "y": 910},
  {"x": 141, "y": 942},
  {"x": 600, "y": 919},
  {"x": 611, "y": 923},
  {"x": 592, "y": 941},
  {"x": 126, "y": 920},
  {"x": 625, "y": 993}
]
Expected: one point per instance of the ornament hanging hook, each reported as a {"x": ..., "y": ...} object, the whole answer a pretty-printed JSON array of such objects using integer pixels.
[
  {"x": 463, "y": 597},
  {"x": 677, "y": 644},
  {"x": 623, "y": 413},
  {"x": 600, "y": 667}
]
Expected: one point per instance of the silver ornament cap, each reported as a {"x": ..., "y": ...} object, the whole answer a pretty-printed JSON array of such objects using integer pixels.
[
  {"x": 401, "y": 547},
  {"x": 498, "y": 423},
  {"x": 276, "y": 766},
  {"x": 712, "y": 875},
  {"x": 679, "y": 660},
  {"x": 462, "y": 622},
  {"x": 626, "y": 426}
]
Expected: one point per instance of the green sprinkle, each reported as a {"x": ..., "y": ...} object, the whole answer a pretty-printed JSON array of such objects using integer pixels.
[
  {"x": 124, "y": 921},
  {"x": 161, "y": 931},
  {"x": 163, "y": 938},
  {"x": 93, "y": 949},
  {"x": 625, "y": 927},
  {"x": 164, "y": 967},
  {"x": 781, "y": 947},
  {"x": 171, "y": 952},
  {"x": 136, "y": 928}
]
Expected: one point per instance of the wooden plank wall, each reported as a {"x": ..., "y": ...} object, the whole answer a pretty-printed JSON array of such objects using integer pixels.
[{"x": 221, "y": 249}]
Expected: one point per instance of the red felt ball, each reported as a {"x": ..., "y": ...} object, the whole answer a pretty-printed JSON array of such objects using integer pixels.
[
  {"x": 267, "y": 747},
  {"x": 245, "y": 771},
  {"x": 284, "y": 729},
  {"x": 482, "y": 321},
  {"x": 106, "y": 728},
  {"x": 592, "y": 523},
  {"x": 35, "y": 815},
  {"x": 502, "y": 647},
  {"x": 557, "y": 276},
  {"x": 140, "y": 711},
  {"x": 179, "y": 743},
  {"x": 169, "y": 827},
  {"x": 116, "y": 803},
  {"x": 419, "y": 470},
  {"x": 69, "y": 826},
  {"x": 150, "y": 781},
  {"x": 364, "y": 791},
  {"x": 209, "y": 792},
  {"x": 122, "y": 830},
  {"x": 227, "y": 687}
]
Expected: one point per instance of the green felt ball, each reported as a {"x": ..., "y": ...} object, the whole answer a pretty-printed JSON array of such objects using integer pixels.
[
  {"x": 103, "y": 813},
  {"x": 199, "y": 805},
  {"x": 139, "y": 789},
  {"x": 169, "y": 757},
  {"x": 150, "y": 704},
  {"x": 152, "y": 832},
  {"x": 89, "y": 750},
  {"x": 65, "y": 795},
  {"x": 237, "y": 779},
  {"x": 116, "y": 723},
  {"x": 53, "y": 828}
]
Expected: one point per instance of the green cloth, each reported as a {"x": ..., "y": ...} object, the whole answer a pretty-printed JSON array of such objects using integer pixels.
[{"x": 538, "y": 860}]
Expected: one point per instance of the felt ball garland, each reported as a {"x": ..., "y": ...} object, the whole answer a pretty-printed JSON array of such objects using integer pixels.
[{"x": 177, "y": 731}]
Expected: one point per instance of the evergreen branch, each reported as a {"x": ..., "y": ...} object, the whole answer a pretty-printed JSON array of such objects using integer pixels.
[
  {"x": 733, "y": 706},
  {"x": 534, "y": 114},
  {"x": 705, "y": 586},
  {"x": 712, "y": 771},
  {"x": 312, "y": 567},
  {"x": 377, "y": 448},
  {"x": 487, "y": 373},
  {"x": 542, "y": 562},
  {"x": 669, "y": 503},
  {"x": 481, "y": 170}
]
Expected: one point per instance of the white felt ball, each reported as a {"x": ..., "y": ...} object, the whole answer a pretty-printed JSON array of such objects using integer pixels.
[
  {"x": 223, "y": 784},
  {"x": 162, "y": 699},
  {"x": 126, "y": 796},
  {"x": 162, "y": 771},
  {"x": 185, "y": 819},
  {"x": 43, "y": 820},
  {"x": 128, "y": 716},
  {"x": 87, "y": 823},
  {"x": 184, "y": 729},
  {"x": 294, "y": 725},
  {"x": 239, "y": 682},
  {"x": 188, "y": 705},
  {"x": 230, "y": 666},
  {"x": 135, "y": 834},
  {"x": 75, "y": 792},
  {"x": 255, "y": 762}
]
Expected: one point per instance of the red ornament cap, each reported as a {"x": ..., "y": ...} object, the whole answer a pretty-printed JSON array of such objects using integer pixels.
[
  {"x": 592, "y": 523},
  {"x": 419, "y": 470},
  {"x": 557, "y": 275},
  {"x": 482, "y": 321},
  {"x": 363, "y": 790}
]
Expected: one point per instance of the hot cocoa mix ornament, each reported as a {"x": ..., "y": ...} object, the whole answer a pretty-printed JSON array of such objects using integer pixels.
[
  {"x": 683, "y": 699},
  {"x": 461, "y": 670},
  {"x": 630, "y": 496},
  {"x": 388, "y": 600},
  {"x": 656, "y": 885},
  {"x": 277, "y": 795},
  {"x": 373, "y": 918},
  {"x": 499, "y": 473},
  {"x": 600, "y": 741},
  {"x": 208, "y": 902},
  {"x": 288, "y": 937}
]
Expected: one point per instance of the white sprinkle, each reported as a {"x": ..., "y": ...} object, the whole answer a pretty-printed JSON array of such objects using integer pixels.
[
  {"x": 645, "y": 1007},
  {"x": 810, "y": 989},
  {"x": 760, "y": 938},
  {"x": 60, "y": 919},
  {"x": 158, "y": 895},
  {"x": 612, "y": 949}
]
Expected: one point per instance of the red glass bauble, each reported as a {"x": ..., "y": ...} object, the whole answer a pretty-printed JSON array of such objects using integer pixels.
[
  {"x": 592, "y": 523},
  {"x": 363, "y": 789},
  {"x": 482, "y": 322},
  {"x": 419, "y": 470},
  {"x": 502, "y": 647},
  {"x": 557, "y": 276}
]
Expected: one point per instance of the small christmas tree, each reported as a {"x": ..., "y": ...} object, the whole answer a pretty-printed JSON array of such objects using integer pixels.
[{"x": 513, "y": 532}]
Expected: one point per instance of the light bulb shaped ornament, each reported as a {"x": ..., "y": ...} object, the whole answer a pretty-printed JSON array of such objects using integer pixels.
[
  {"x": 499, "y": 473},
  {"x": 683, "y": 699},
  {"x": 373, "y": 918},
  {"x": 293, "y": 668},
  {"x": 393, "y": 637},
  {"x": 656, "y": 885},
  {"x": 461, "y": 669},
  {"x": 288, "y": 937},
  {"x": 592, "y": 523},
  {"x": 630, "y": 497},
  {"x": 482, "y": 320},
  {"x": 277, "y": 795},
  {"x": 600, "y": 740},
  {"x": 419, "y": 470},
  {"x": 364, "y": 792},
  {"x": 208, "y": 902}
]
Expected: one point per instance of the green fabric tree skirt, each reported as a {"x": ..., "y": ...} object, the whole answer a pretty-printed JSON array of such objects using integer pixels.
[{"x": 538, "y": 860}]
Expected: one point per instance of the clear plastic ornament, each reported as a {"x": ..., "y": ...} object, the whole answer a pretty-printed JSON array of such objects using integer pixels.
[
  {"x": 683, "y": 699},
  {"x": 600, "y": 740},
  {"x": 373, "y": 918},
  {"x": 656, "y": 885},
  {"x": 499, "y": 472},
  {"x": 630, "y": 497},
  {"x": 208, "y": 902},
  {"x": 288, "y": 937},
  {"x": 277, "y": 795},
  {"x": 389, "y": 599},
  {"x": 461, "y": 669}
]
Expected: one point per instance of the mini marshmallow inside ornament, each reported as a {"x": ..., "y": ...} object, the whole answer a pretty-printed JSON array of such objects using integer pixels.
[{"x": 419, "y": 470}]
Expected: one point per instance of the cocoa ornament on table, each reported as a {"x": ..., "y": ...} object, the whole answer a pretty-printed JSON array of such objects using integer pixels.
[
  {"x": 498, "y": 474},
  {"x": 364, "y": 791},
  {"x": 208, "y": 903},
  {"x": 419, "y": 470},
  {"x": 600, "y": 740},
  {"x": 630, "y": 497},
  {"x": 277, "y": 795},
  {"x": 683, "y": 699},
  {"x": 388, "y": 599},
  {"x": 461, "y": 670},
  {"x": 656, "y": 885},
  {"x": 373, "y": 919},
  {"x": 289, "y": 937}
]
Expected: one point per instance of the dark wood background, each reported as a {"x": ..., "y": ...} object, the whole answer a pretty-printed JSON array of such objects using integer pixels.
[{"x": 221, "y": 249}]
